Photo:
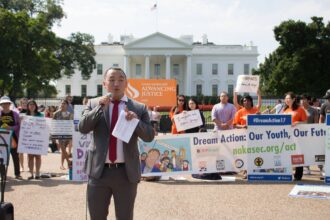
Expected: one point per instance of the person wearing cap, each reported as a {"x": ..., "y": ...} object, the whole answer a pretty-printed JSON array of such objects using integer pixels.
[
  {"x": 9, "y": 120},
  {"x": 112, "y": 165},
  {"x": 325, "y": 108}
]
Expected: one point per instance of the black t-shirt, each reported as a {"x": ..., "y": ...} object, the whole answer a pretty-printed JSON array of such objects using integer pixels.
[
  {"x": 7, "y": 119},
  {"x": 325, "y": 109}
]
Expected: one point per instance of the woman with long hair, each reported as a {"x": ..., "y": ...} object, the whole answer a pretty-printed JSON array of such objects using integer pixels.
[
  {"x": 33, "y": 159},
  {"x": 180, "y": 107},
  {"x": 193, "y": 105},
  {"x": 298, "y": 116}
]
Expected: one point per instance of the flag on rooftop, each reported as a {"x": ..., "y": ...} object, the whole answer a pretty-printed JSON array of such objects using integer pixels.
[{"x": 154, "y": 7}]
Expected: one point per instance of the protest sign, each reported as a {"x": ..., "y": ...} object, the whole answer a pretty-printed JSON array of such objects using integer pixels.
[
  {"x": 152, "y": 92},
  {"x": 327, "y": 151},
  {"x": 270, "y": 146},
  {"x": 311, "y": 191},
  {"x": 193, "y": 153},
  {"x": 61, "y": 129},
  {"x": 34, "y": 136},
  {"x": 5, "y": 143},
  {"x": 310, "y": 139},
  {"x": 247, "y": 83},
  {"x": 187, "y": 120},
  {"x": 80, "y": 143},
  {"x": 78, "y": 110}
]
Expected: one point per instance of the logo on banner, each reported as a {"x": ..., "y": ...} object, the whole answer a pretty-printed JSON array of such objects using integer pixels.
[
  {"x": 319, "y": 158},
  {"x": 239, "y": 163},
  {"x": 220, "y": 164},
  {"x": 258, "y": 161},
  {"x": 202, "y": 166},
  {"x": 277, "y": 161},
  {"x": 133, "y": 92},
  {"x": 297, "y": 159}
]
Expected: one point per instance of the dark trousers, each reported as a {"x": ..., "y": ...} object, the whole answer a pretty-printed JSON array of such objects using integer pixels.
[
  {"x": 14, "y": 155},
  {"x": 299, "y": 173},
  {"x": 113, "y": 182}
]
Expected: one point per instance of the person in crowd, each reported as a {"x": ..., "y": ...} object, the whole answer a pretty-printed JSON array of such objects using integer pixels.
[
  {"x": 33, "y": 159},
  {"x": 193, "y": 105},
  {"x": 85, "y": 101},
  {"x": 22, "y": 110},
  {"x": 325, "y": 108},
  {"x": 315, "y": 103},
  {"x": 42, "y": 109},
  {"x": 9, "y": 120},
  {"x": 23, "y": 105},
  {"x": 240, "y": 120},
  {"x": 312, "y": 116},
  {"x": 113, "y": 166},
  {"x": 223, "y": 113},
  {"x": 278, "y": 108},
  {"x": 49, "y": 112},
  {"x": 179, "y": 108},
  {"x": 64, "y": 114},
  {"x": 298, "y": 116},
  {"x": 155, "y": 118},
  {"x": 222, "y": 116},
  {"x": 69, "y": 99}
]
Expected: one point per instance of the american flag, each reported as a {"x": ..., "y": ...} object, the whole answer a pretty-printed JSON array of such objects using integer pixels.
[{"x": 154, "y": 7}]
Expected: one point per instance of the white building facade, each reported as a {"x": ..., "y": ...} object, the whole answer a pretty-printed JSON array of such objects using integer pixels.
[{"x": 200, "y": 68}]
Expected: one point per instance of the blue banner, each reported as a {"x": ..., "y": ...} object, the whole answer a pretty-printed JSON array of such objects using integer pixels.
[{"x": 268, "y": 120}]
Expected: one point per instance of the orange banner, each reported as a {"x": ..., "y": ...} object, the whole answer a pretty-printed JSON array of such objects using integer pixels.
[{"x": 152, "y": 92}]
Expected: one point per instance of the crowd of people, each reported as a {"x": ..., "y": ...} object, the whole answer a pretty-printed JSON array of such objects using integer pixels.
[
  {"x": 11, "y": 118},
  {"x": 224, "y": 115}
]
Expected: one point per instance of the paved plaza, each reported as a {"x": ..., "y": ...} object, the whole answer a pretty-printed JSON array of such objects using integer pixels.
[{"x": 58, "y": 198}]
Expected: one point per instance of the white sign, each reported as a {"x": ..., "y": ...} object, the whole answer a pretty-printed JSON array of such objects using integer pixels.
[
  {"x": 78, "y": 110},
  {"x": 124, "y": 129},
  {"x": 34, "y": 136},
  {"x": 61, "y": 128},
  {"x": 247, "y": 83},
  {"x": 311, "y": 191},
  {"x": 80, "y": 144},
  {"x": 327, "y": 151},
  {"x": 310, "y": 139},
  {"x": 187, "y": 120},
  {"x": 5, "y": 143}
]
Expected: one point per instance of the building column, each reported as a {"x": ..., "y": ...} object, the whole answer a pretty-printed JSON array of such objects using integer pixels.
[
  {"x": 168, "y": 67},
  {"x": 126, "y": 65},
  {"x": 188, "y": 76},
  {"x": 147, "y": 67}
]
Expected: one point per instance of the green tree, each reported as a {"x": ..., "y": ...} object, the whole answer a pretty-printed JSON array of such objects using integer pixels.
[
  {"x": 302, "y": 61},
  {"x": 31, "y": 55}
]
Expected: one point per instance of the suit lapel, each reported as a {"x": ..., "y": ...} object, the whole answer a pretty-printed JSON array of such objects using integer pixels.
[{"x": 106, "y": 115}]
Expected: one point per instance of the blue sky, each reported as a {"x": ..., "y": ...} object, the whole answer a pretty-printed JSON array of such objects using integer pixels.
[{"x": 223, "y": 21}]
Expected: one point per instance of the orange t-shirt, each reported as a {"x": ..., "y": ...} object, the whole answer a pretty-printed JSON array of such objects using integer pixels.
[
  {"x": 174, "y": 131},
  {"x": 241, "y": 115},
  {"x": 297, "y": 115}
]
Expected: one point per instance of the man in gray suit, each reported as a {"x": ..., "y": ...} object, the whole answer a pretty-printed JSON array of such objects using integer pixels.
[{"x": 112, "y": 165}]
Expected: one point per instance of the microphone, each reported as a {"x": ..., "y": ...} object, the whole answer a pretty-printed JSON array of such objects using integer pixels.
[{"x": 109, "y": 95}]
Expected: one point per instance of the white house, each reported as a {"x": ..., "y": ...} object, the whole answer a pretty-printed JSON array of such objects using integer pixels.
[{"x": 199, "y": 67}]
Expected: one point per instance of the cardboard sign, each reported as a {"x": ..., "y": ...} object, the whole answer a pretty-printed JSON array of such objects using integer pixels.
[
  {"x": 34, "y": 136},
  {"x": 247, "y": 83},
  {"x": 187, "y": 120}
]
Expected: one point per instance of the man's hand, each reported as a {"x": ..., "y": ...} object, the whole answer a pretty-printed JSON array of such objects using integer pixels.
[
  {"x": 129, "y": 114},
  {"x": 105, "y": 100}
]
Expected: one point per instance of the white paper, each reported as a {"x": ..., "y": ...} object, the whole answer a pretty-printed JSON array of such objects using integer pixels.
[
  {"x": 247, "y": 83},
  {"x": 187, "y": 120},
  {"x": 34, "y": 136},
  {"x": 124, "y": 129}
]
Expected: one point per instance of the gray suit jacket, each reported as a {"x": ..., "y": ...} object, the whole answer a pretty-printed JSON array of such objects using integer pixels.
[{"x": 97, "y": 120}]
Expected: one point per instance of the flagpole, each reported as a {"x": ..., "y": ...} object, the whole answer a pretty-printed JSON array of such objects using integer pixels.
[{"x": 157, "y": 16}]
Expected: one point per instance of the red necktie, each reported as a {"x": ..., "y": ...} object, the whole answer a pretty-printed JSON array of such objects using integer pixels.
[{"x": 113, "y": 139}]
